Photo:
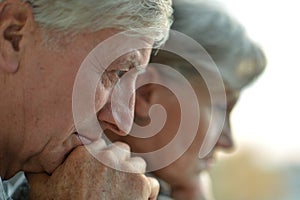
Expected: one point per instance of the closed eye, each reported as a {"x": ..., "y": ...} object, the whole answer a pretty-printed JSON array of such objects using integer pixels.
[
  {"x": 120, "y": 73},
  {"x": 220, "y": 107}
]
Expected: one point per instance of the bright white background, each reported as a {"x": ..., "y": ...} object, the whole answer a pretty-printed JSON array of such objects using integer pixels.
[{"x": 267, "y": 117}]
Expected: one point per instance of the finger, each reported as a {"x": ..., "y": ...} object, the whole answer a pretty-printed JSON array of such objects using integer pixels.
[
  {"x": 109, "y": 159},
  {"x": 97, "y": 146},
  {"x": 112, "y": 156},
  {"x": 121, "y": 150},
  {"x": 38, "y": 183},
  {"x": 154, "y": 188},
  {"x": 134, "y": 165},
  {"x": 35, "y": 180}
]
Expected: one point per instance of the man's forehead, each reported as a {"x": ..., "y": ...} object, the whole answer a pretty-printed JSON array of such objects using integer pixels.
[
  {"x": 136, "y": 58},
  {"x": 120, "y": 52}
]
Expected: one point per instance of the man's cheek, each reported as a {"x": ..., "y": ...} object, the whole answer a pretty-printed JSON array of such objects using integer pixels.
[{"x": 101, "y": 97}]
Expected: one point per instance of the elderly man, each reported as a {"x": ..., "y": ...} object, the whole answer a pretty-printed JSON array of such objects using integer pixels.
[
  {"x": 43, "y": 44},
  {"x": 239, "y": 60}
]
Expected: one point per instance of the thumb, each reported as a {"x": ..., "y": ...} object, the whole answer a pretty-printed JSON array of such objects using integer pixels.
[
  {"x": 154, "y": 188},
  {"x": 36, "y": 180}
]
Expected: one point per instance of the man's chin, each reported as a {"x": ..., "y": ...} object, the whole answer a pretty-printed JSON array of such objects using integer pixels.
[
  {"x": 49, "y": 161},
  {"x": 43, "y": 164}
]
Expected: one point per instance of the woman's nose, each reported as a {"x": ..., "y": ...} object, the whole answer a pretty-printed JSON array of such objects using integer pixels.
[{"x": 225, "y": 140}]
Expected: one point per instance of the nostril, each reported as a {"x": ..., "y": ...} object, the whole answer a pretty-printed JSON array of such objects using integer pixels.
[
  {"x": 113, "y": 126},
  {"x": 105, "y": 113},
  {"x": 107, "y": 121}
]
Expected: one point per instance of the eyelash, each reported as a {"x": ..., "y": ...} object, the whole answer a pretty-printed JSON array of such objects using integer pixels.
[
  {"x": 120, "y": 73},
  {"x": 221, "y": 107},
  {"x": 110, "y": 78}
]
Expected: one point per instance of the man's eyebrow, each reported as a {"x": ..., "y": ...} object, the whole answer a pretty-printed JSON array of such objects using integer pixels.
[{"x": 131, "y": 60}]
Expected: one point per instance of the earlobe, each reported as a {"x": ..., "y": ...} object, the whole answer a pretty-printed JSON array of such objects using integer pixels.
[
  {"x": 13, "y": 17},
  {"x": 9, "y": 63}
]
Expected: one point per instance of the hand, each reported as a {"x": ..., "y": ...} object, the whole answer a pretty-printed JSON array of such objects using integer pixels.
[{"x": 82, "y": 176}]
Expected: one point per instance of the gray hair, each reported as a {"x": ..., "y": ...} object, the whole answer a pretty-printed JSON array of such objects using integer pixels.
[
  {"x": 239, "y": 59},
  {"x": 73, "y": 16}
]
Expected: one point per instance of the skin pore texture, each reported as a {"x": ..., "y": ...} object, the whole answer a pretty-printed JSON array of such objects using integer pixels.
[
  {"x": 185, "y": 184},
  {"x": 36, "y": 114},
  {"x": 42, "y": 46}
]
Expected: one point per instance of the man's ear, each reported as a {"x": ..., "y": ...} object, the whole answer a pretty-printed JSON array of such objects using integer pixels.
[
  {"x": 145, "y": 94},
  {"x": 14, "y": 15}
]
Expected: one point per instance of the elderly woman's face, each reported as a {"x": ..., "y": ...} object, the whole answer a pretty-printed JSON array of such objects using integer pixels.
[
  {"x": 49, "y": 132},
  {"x": 188, "y": 166}
]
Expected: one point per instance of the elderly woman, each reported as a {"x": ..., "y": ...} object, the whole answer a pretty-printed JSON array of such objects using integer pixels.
[
  {"x": 43, "y": 44},
  {"x": 239, "y": 60}
]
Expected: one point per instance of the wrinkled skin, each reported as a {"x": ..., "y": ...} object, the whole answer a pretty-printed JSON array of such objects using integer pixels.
[
  {"x": 186, "y": 184},
  {"x": 81, "y": 176},
  {"x": 36, "y": 124}
]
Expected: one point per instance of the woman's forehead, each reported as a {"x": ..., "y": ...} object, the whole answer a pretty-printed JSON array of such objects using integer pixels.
[
  {"x": 202, "y": 91},
  {"x": 232, "y": 94}
]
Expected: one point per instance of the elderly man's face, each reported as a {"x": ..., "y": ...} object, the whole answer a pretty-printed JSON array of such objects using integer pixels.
[{"x": 47, "y": 76}]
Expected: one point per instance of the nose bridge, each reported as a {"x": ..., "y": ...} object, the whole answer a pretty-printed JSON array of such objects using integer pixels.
[
  {"x": 225, "y": 140},
  {"x": 131, "y": 103},
  {"x": 128, "y": 83},
  {"x": 123, "y": 101}
]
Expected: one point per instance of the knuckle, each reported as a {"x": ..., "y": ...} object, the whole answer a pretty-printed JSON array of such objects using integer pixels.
[
  {"x": 137, "y": 185},
  {"x": 127, "y": 167},
  {"x": 138, "y": 164},
  {"x": 122, "y": 145},
  {"x": 79, "y": 153},
  {"x": 138, "y": 160},
  {"x": 108, "y": 158},
  {"x": 107, "y": 155},
  {"x": 144, "y": 183}
]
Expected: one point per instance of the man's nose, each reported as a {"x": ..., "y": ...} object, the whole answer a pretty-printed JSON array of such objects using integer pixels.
[
  {"x": 225, "y": 140},
  {"x": 119, "y": 111}
]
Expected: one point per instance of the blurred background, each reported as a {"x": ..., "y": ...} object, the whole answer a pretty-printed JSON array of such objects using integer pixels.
[{"x": 266, "y": 162}]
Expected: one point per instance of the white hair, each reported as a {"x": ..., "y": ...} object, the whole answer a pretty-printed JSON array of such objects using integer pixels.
[
  {"x": 73, "y": 16},
  {"x": 238, "y": 58}
]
